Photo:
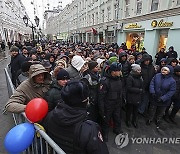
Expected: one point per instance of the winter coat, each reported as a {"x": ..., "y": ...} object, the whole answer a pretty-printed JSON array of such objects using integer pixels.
[
  {"x": 164, "y": 87},
  {"x": 148, "y": 72},
  {"x": 69, "y": 128},
  {"x": 73, "y": 73},
  {"x": 15, "y": 66},
  {"x": 53, "y": 96},
  {"x": 176, "y": 96},
  {"x": 159, "y": 56},
  {"x": 28, "y": 90},
  {"x": 134, "y": 89},
  {"x": 110, "y": 92},
  {"x": 172, "y": 54},
  {"x": 93, "y": 82}
]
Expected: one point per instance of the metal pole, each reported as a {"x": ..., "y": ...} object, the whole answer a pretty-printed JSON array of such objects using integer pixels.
[{"x": 32, "y": 32}]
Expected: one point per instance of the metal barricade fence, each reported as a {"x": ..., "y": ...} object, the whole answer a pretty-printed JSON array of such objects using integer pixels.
[{"x": 42, "y": 143}]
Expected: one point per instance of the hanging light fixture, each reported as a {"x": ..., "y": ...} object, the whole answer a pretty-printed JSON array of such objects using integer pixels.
[{"x": 25, "y": 19}]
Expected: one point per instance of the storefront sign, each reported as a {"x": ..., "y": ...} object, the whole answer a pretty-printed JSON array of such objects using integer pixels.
[
  {"x": 161, "y": 23},
  {"x": 133, "y": 25}
]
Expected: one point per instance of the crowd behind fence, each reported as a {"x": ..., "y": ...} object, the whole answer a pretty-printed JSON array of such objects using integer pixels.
[{"x": 42, "y": 143}]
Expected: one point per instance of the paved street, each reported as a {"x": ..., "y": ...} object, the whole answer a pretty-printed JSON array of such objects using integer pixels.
[
  {"x": 6, "y": 121},
  {"x": 169, "y": 131}
]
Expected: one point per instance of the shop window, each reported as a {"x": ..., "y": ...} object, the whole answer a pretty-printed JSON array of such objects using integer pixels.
[
  {"x": 135, "y": 39},
  {"x": 139, "y": 7},
  {"x": 163, "y": 36},
  {"x": 154, "y": 5}
]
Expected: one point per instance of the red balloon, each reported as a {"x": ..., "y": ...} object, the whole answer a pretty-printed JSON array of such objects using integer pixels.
[{"x": 36, "y": 109}]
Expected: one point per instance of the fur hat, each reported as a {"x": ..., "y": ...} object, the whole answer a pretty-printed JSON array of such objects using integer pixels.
[
  {"x": 92, "y": 64},
  {"x": 77, "y": 62},
  {"x": 75, "y": 93}
]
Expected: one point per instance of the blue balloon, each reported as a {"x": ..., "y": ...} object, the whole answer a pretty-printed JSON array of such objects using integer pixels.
[{"x": 19, "y": 138}]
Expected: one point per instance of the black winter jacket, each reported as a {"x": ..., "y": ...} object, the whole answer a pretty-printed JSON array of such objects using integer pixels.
[
  {"x": 53, "y": 96},
  {"x": 69, "y": 128},
  {"x": 176, "y": 96},
  {"x": 148, "y": 71},
  {"x": 134, "y": 89}
]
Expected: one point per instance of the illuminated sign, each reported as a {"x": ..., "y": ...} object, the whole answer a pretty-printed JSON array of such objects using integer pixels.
[
  {"x": 161, "y": 23},
  {"x": 133, "y": 25}
]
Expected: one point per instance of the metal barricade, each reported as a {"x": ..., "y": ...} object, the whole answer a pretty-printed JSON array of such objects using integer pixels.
[{"x": 42, "y": 143}]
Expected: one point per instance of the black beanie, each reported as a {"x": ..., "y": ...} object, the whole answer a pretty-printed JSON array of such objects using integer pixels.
[
  {"x": 63, "y": 75},
  {"x": 177, "y": 68},
  {"x": 92, "y": 64}
]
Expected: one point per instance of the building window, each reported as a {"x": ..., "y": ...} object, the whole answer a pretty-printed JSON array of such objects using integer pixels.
[
  {"x": 127, "y": 14},
  {"x": 96, "y": 22},
  {"x": 92, "y": 19},
  {"x": 178, "y": 2},
  {"x": 116, "y": 11},
  {"x": 108, "y": 13},
  {"x": 154, "y": 5},
  {"x": 102, "y": 16},
  {"x": 139, "y": 7}
]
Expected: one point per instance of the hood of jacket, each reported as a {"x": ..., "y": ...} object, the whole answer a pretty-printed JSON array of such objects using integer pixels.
[
  {"x": 66, "y": 115},
  {"x": 37, "y": 69}
]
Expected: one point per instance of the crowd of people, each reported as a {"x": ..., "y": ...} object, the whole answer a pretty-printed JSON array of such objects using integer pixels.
[{"x": 87, "y": 86}]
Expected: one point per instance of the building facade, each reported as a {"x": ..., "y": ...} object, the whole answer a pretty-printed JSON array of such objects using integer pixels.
[
  {"x": 152, "y": 24},
  {"x": 12, "y": 27}
]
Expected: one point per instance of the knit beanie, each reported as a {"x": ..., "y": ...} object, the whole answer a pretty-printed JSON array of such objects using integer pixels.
[
  {"x": 92, "y": 64},
  {"x": 113, "y": 59},
  {"x": 115, "y": 67},
  {"x": 177, "y": 68},
  {"x": 135, "y": 67},
  {"x": 77, "y": 62},
  {"x": 63, "y": 75}
]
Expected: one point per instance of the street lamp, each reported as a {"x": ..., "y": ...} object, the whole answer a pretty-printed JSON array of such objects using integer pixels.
[{"x": 25, "y": 19}]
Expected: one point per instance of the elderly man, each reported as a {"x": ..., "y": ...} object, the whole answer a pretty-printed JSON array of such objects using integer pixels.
[{"x": 35, "y": 86}]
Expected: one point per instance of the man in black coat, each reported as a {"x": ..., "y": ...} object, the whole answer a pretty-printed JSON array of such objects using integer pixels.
[
  {"x": 16, "y": 61},
  {"x": 171, "y": 53},
  {"x": 110, "y": 99},
  {"x": 148, "y": 71},
  {"x": 68, "y": 126}
]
